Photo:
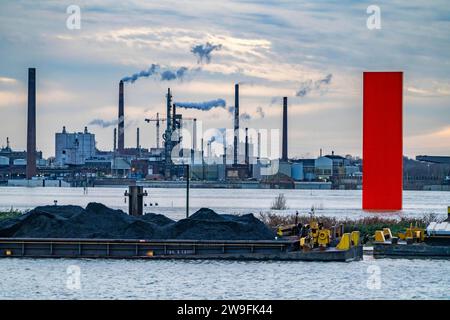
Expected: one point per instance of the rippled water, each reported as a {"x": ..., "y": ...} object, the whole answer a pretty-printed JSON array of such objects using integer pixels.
[
  {"x": 171, "y": 202},
  {"x": 137, "y": 279},
  {"x": 125, "y": 279}
]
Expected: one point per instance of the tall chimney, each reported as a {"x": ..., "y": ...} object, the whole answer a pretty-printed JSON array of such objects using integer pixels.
[
  {"x": 138, "y": 146},
  {"x": 115, "y": 140},
  {"x": 236, "y": 123},
  {"x": 121, "y": 140},
  {"x": 284, "y": 155},
  {"x": 168, "y": 137},
  {"x": 259, "y": 145},
  {"x": 168, "y": 107},
  {"x": 225, "y": 148},
  {"x": 31, "y": 124},
  {"x": 246, "y": 147},
  {"x": 194, "y": 140}
]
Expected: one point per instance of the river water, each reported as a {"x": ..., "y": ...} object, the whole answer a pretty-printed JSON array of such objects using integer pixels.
[
  {"x": 174, "y": 279},
  {"x": 171, "y": 202}
]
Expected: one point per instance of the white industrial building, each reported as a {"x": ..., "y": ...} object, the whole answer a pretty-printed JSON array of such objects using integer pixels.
[{"x": 74, "y": 148}]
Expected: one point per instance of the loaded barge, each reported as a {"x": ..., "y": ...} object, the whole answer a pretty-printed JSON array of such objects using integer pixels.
[
  {"x": 173, "y": 249},
  {"x": 432, "y": 242}
]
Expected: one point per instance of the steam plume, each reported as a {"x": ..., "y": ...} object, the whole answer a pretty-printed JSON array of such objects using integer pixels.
[
  {"x": 204, "y": 106},
  {"x": 203, "y": 51},
  {"x": 308, "y": 86}
]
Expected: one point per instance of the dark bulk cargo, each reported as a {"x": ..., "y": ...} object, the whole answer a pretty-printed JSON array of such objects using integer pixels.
[{"x": 98, "y": 221}]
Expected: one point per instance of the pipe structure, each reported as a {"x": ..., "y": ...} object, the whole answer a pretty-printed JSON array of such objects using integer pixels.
[
  {"x": 121, "y": 120},
  {"x": 284, "y": 155},
  {"x": 236, "y": 124},
  {"x": 31, "y": 125}
]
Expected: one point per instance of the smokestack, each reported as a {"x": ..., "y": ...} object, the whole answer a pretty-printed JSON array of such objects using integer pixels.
[
  {"x": 203, "y": 162},
  {"x": 320, "y": 152},
  {"x": 115, "y": 140},
  {"x": 168, "y": 136},
  {"x": 259, "y": 145},
  {"x": 121, "y": 140},
  {"x": 138, "y": 146},
  {"x": 31, "y": 124},
  {"x": 246, "y": 147},
  {"x": 284, "y": 156},
  {"x": 225, "y": 149},
  {"x": 168, "y": 106},
  {"x": 236, "y": 123},
  {"x": 194, "y": 140}
]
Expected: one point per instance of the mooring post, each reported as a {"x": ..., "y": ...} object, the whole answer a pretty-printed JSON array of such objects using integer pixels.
[{"x": 136, "y": 196}]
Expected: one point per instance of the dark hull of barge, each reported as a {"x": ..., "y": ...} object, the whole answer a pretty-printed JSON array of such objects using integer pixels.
[{"x": 170, "y": 249}]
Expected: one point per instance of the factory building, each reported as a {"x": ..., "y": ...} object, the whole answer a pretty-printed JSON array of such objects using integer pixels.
[{"x": 74, "y": 148}]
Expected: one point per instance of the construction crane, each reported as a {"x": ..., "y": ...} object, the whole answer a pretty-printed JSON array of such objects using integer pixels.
[{"x": 157, "y": 120}]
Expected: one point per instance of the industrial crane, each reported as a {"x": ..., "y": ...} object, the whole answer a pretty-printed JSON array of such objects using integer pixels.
[{"x": 157, "y": 120}]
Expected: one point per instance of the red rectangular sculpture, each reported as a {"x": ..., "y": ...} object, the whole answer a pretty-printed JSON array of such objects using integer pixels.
[{"x": 382, "y": 140}]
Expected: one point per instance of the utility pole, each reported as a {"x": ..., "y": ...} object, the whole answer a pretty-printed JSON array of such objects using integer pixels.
[{"x": 187, "y": 189}]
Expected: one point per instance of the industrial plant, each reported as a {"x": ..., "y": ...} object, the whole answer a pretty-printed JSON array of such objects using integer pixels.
[{"x": 228, "y": 158}]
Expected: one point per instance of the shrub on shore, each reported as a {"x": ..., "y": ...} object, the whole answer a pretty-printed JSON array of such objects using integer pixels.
[{"x": 11, "y": 213}]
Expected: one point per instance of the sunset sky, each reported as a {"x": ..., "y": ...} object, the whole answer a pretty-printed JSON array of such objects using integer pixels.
[{"x": 273, "y": 48}]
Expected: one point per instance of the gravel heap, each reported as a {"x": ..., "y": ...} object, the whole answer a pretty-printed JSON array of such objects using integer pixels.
[{"x": 99, "y": 221}]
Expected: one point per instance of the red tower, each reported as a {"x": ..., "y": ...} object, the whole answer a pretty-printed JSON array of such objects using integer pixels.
[{"x": 382, "y": 140}]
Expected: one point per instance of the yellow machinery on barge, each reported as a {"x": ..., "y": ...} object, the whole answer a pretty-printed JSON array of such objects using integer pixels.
[
  {"x": 415, "y": 242},
  {"x": 314, "y": 236}
]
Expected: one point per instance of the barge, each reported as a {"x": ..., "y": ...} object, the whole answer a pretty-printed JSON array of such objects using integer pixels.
[
  {"x": 173, "y": 249},
  {"x": 432, "y": 242}
]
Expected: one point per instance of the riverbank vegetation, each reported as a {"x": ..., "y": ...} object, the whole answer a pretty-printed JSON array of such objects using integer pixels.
[{"x": 11, "y": 213}]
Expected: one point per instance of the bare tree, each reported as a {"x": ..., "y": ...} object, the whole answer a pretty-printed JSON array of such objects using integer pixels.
[{"x": 279, "y": 203}]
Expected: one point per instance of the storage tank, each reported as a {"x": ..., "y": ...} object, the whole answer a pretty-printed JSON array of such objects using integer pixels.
[
  {"x": 297, "y": 171},
  {"x": 20, "y": 162},
  {"x": 4, "y": 161}
]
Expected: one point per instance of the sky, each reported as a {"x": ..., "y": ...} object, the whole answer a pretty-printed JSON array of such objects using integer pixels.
[{"x": 313, "y": 52}]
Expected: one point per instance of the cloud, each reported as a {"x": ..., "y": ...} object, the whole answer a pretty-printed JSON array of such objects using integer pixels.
[
  {"x": 6, "y": 80},
  {"x": 203, "y": 51},
  {"x": 9, "y": 99}
]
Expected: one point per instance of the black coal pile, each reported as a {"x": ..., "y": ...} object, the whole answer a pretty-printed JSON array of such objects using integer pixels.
[{"x": 99, "y": 221}]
